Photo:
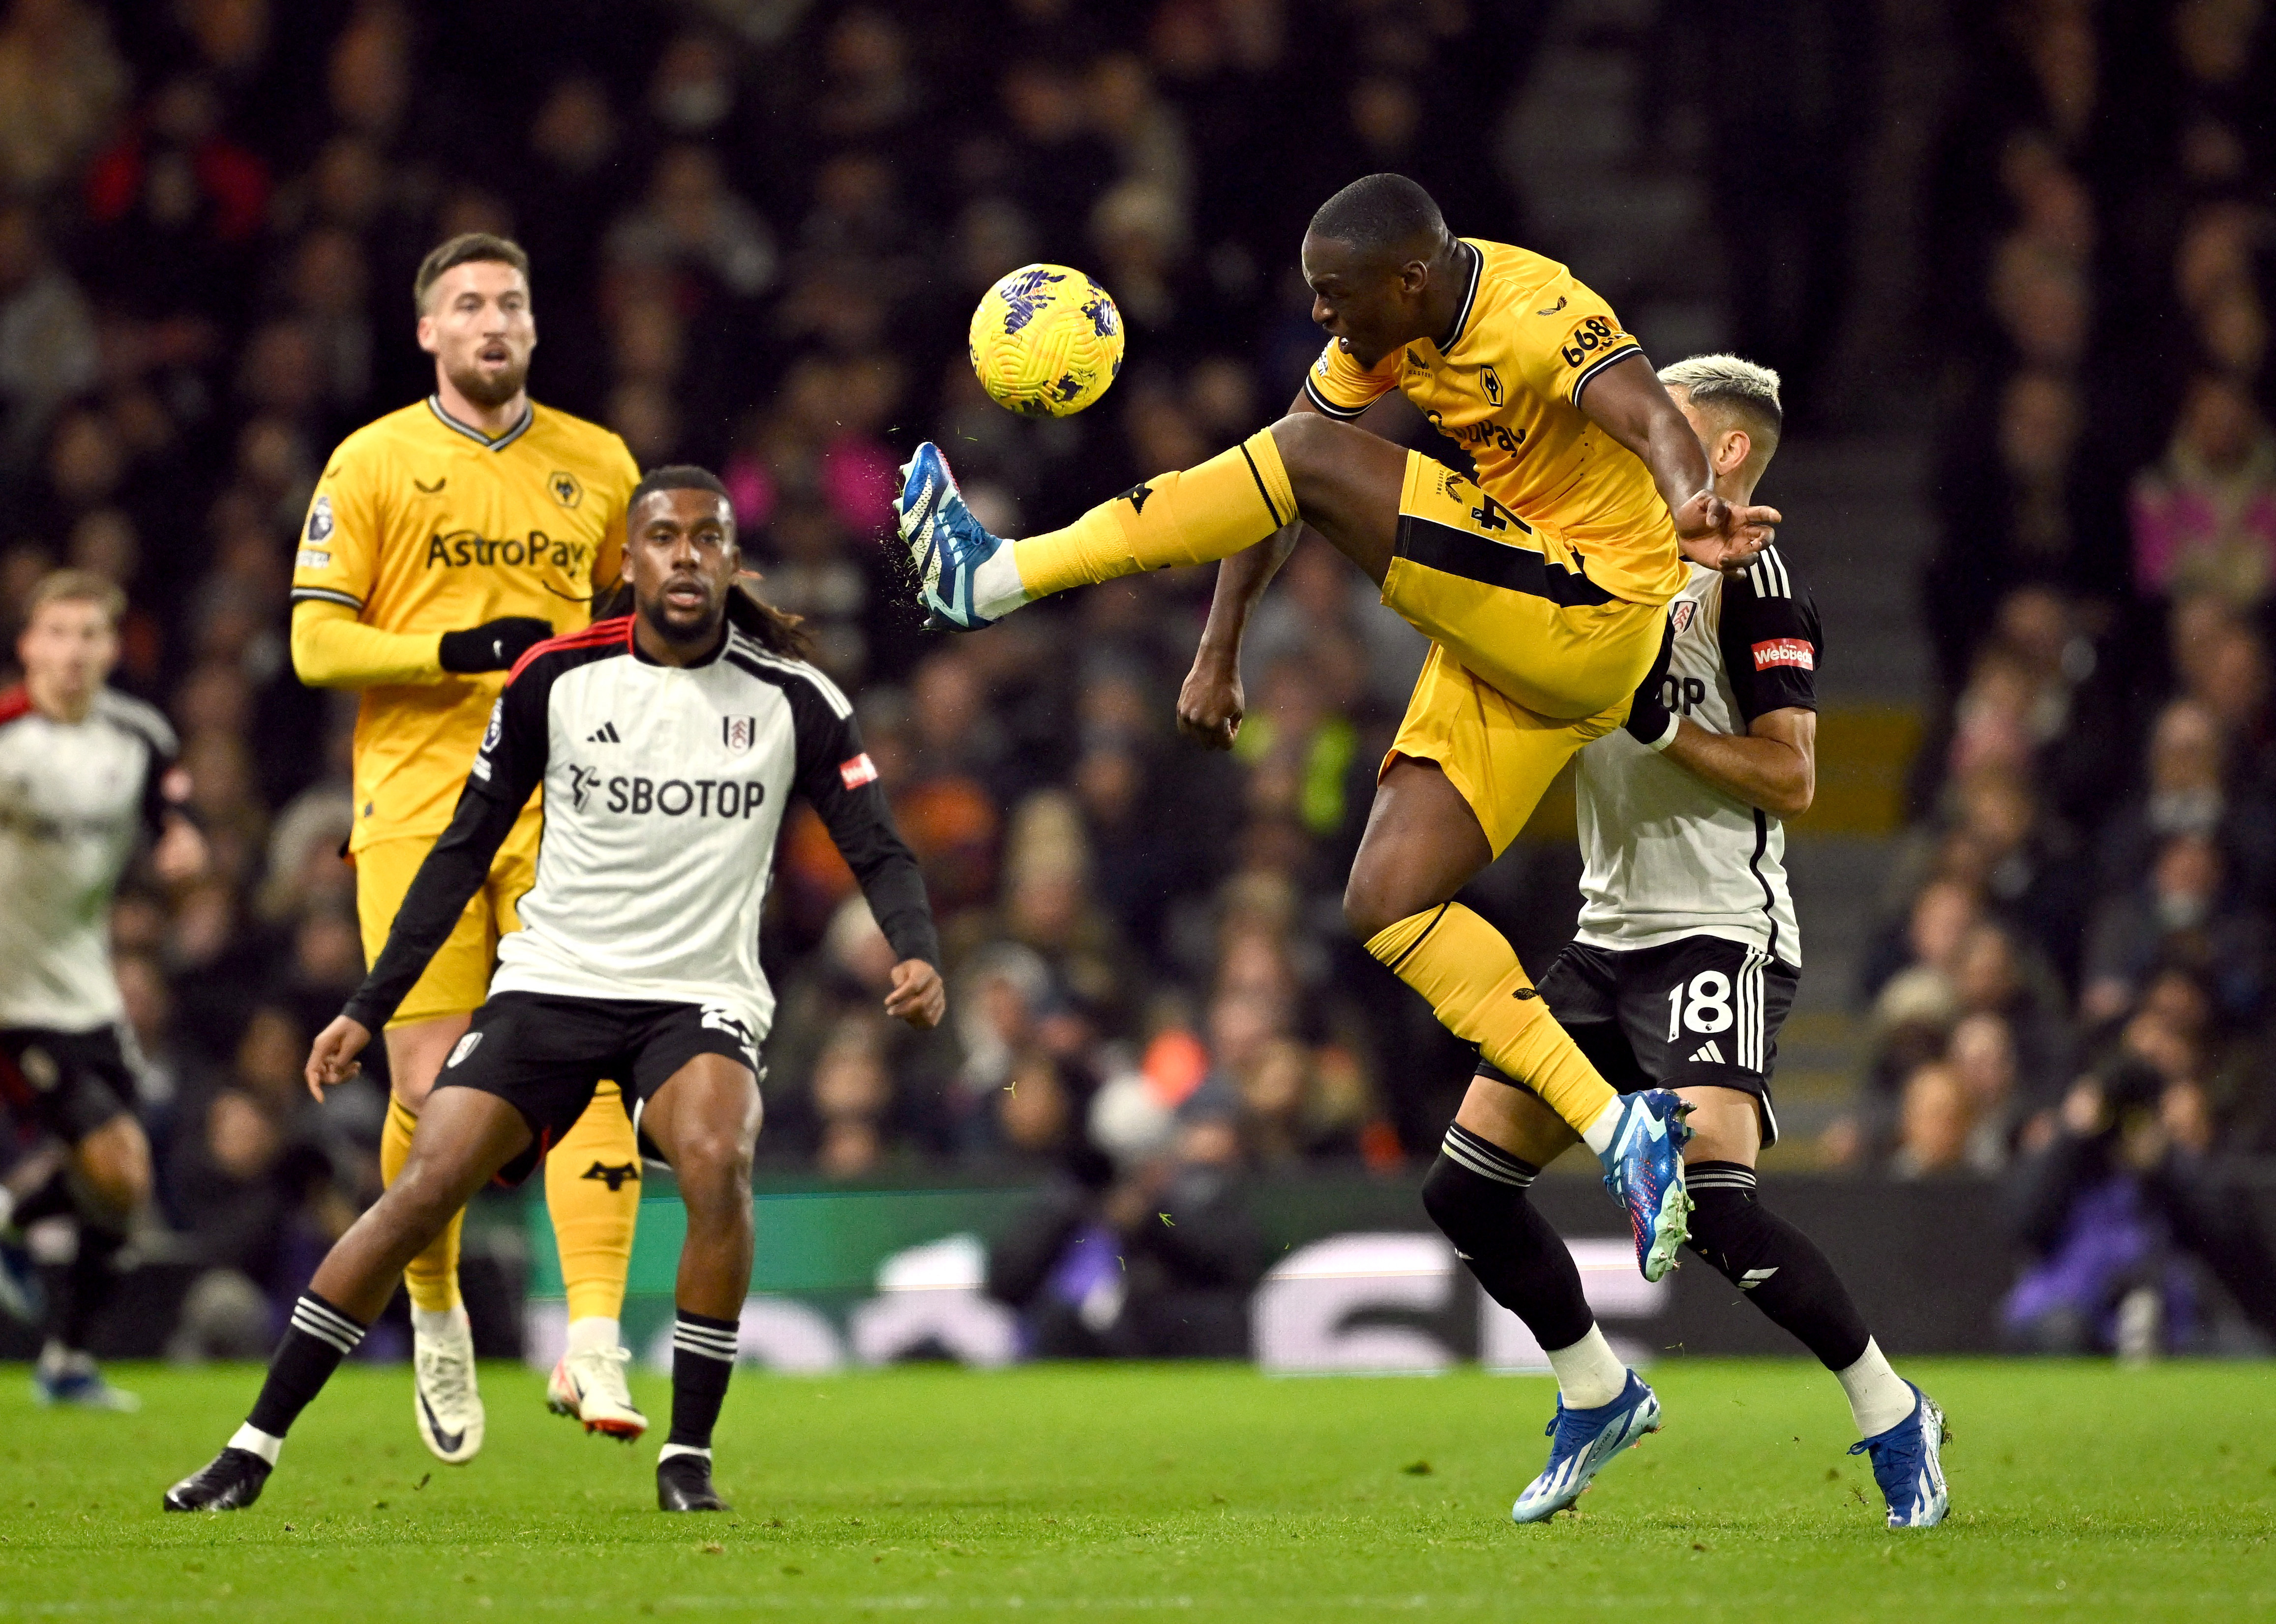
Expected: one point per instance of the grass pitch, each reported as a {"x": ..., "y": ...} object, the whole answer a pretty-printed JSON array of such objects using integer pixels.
[{"x": 1204, "y": 1492}]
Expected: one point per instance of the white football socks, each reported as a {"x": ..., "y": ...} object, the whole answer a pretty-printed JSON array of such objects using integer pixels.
[
  {"x": 1599, "y": 1135},
  {"x": 996, "y": 588},
  {"x": 669, "y": 1450},
  {"x": 1879, "y": 1397},
  {"x": 440, "y": 1321},
  {"x": 592, "y": 1332},
  {"x": 1588, "y": 1373},
  {"x": 254, "y": 1441}
]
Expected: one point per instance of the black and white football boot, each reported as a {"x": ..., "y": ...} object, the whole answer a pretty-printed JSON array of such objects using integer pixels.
[{"x": 230, "y": 1480}]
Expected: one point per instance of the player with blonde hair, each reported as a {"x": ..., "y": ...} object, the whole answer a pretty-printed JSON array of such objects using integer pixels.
[{"x": 86, "y": 773}]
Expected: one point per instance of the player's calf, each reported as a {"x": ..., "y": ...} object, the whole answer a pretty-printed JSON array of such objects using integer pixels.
[
  {"x": 464, "y": 1138},
  {"x": 1784, "y": 1274}
]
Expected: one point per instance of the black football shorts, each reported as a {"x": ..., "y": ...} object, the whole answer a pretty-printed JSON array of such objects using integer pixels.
[
  {"x": 544, "y": 1054},
  {"x": 1698, "y": 1012},
  {"x": 71, "y": 1083}
]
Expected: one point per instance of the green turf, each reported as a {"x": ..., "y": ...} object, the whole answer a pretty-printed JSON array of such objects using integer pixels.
[{"x": 1208, "y": 1492}]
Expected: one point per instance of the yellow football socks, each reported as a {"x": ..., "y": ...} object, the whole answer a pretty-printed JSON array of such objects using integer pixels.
[
  {"x": 1471, "y": 975},
  {"x": 432, "y": 1279},
  {"x": 1234, "y": 500},
  {"x": 593, "y": 1194}
]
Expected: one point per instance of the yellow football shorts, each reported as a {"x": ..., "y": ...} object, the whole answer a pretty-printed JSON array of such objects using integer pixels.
[
  {"x": 1533, "y": 659},
  {"x": 458, "y": 978}
]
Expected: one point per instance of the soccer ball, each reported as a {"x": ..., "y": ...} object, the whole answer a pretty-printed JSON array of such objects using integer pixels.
[{"x": 1046, "y": 341}]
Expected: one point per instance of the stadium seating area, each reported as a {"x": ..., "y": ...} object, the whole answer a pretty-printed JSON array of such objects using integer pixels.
[{"x": 757, "y": 228}]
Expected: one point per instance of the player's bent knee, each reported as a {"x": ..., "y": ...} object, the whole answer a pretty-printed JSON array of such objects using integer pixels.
[
  {"x": 1309, "y": 443},
  {"x": 713, "y": 1169},
  {"x": 1369, "y": 907}
]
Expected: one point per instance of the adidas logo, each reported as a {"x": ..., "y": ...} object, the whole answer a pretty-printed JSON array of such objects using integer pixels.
[
  {"x": 1754, "y": 1277},
  {"x": 606, "y": 734},
  {"x": 1707, "y": 1054}
]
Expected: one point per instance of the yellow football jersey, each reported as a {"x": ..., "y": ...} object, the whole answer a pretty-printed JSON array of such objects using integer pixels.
[
  {"x": 423, "y": 523},
  {"x": 1503, "y": 386}
]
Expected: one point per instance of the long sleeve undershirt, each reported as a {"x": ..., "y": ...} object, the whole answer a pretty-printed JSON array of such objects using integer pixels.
[{"x": 331, "y": 648}]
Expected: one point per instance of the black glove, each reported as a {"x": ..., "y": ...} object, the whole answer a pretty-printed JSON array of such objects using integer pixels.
[
  {"x": 1649, "y": 721},
  {"x": 493, "y": 646}
]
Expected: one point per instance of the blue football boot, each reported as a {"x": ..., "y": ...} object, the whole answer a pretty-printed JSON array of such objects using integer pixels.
[
  {"x": 1643, "y": 1170},
  {"x": 1908, "y": 1464},
  {"x": 73, "y": 1380},
  {"x": 946, "y": 544},
  {"x": 1582, "y": 1443}
]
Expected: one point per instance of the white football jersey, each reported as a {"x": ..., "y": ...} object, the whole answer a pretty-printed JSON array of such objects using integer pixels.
[
  {"x": 1664, "y": 854},
  {"x": 75, "y": 797},
  {"x": 664, "y": 791}
]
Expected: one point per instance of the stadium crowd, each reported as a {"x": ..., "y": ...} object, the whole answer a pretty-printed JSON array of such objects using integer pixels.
[
  {"x": 757, "y": 227},
  {"x": 2074, "y": 986}
]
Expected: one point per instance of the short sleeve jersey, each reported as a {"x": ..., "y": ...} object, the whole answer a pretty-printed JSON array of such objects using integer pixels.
[
  {"x": 1664, "y": 853},
  {"x": 1505, "y": 385},
  {"x": 421, "y": 523}
]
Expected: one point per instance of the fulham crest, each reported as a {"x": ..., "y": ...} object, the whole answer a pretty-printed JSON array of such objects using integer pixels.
[
  {"x": 1681, "y": 613},
  {"x": 738, "y": 734}
]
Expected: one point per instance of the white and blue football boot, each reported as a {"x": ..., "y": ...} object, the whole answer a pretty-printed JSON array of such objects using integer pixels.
[
  {"x": 1582, "y": 1443},
  {"x": 1643, "y": 1170},
  {"x": 965, "y": 576},
  {"x": 1908, "y": 1464}
]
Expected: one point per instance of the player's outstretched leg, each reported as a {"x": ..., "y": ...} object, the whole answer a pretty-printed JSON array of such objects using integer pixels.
[
  {"x": 968, "y": 577},
  {"x": 705, "y": 1119},
  {"x": 465, "y": 1136}
]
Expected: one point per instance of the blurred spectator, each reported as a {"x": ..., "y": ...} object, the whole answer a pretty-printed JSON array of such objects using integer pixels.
[
  {"x": 264, "y": 1182},
  {"x": 2204, "y": 518},
  {"x": 60, "y": 82},
  {"x": 47, "y": 352},
  {"x": 1934, "y": 1125},
  {"x": 2114, "y": 1209},
  {"x": 1153, "y": 1263}
]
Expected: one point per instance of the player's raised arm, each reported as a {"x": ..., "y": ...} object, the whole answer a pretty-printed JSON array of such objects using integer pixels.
[{"x": 1628, "y": 401}]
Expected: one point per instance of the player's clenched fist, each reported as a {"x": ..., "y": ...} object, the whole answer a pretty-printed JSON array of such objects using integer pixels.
[
  {"x": 1210, "y": 704},
  {"x": 332, "y": 1057}
]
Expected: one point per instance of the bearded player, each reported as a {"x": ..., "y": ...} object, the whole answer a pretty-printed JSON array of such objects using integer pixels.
[
  {"x": 445, "y": 540},
  {"x": 1541, "y": 580}
]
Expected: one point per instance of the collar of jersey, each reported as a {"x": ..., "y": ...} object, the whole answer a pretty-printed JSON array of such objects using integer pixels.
[
  {"x": 1469, "y": 297},
  {"x": 726, "y": 639},
  {"x": 529, "y": 416}
]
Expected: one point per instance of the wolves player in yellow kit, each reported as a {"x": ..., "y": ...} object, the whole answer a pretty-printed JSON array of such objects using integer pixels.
[
  {"x": 1542, "y": 581},
  {"x": 444, "y": 541}
]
